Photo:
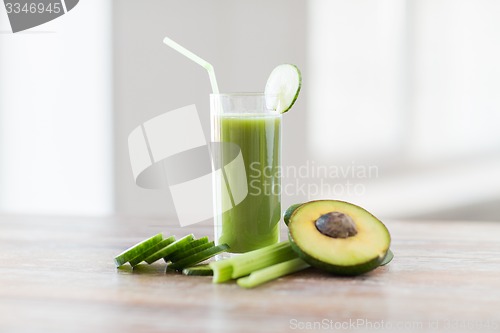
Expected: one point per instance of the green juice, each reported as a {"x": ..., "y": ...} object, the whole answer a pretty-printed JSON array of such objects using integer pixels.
[{"x": 253, "y": 223}]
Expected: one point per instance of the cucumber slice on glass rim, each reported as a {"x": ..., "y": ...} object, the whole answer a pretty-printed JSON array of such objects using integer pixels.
[{"x": 283, "y": 87}]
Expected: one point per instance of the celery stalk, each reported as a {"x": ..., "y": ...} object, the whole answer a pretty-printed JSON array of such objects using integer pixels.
[
  {"x": 248, "y": 262},
  {"x": 222, "y": 270},
  {"x": 272, "y": 272},
  {"x": 245, "y": 265}
]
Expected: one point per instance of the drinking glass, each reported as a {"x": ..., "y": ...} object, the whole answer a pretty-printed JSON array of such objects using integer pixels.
[{"x": 247, "y": 184}]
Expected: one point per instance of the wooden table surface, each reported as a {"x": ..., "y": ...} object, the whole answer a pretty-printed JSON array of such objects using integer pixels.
[{"x": 57, "y": 275}]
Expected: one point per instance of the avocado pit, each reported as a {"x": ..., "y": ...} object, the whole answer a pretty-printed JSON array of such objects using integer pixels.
[{"x": 336, "y": 225}]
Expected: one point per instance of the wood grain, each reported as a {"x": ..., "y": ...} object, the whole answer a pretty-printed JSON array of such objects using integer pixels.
[{"x": 57, "y": 275}]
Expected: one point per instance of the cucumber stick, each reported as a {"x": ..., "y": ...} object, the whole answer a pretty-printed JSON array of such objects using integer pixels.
[
  {"x": 202, "y": 270},
  {"x": 169, "y": 249},
  {"x": 180, "y": 253},
  {"x": 143, "y": 255},
  {"x": 135, "y": 250},
  {"x": 272, "y": 272},
  {"x": 199, "y": 257}
]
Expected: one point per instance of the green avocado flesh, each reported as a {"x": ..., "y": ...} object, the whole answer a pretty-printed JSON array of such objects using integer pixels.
[{"x": 355, "y": 245}]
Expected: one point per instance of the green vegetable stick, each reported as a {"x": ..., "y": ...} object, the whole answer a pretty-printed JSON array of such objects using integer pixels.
[
  {"x": 245, "y": 265},
  {"x": 222, "y": 270},
  {"x": 272, "y": 272},
  {"x": 248, "y": 262}
]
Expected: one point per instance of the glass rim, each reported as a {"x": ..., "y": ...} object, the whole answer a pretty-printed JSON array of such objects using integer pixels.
[{"x": 260, "y": 97}]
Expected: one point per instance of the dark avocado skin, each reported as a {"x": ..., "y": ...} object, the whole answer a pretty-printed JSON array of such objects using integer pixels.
[
  {"x": 335, "y": 269},
  {"x": 288, "y": 213}
]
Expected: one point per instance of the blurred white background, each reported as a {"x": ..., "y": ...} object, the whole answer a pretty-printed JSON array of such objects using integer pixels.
[{"x": 410, "y": 89}]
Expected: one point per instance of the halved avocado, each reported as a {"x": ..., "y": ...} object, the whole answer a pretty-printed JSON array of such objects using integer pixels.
[
  {"x": 338, "y": 237},
  {"x": 288, "y": 213}
]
